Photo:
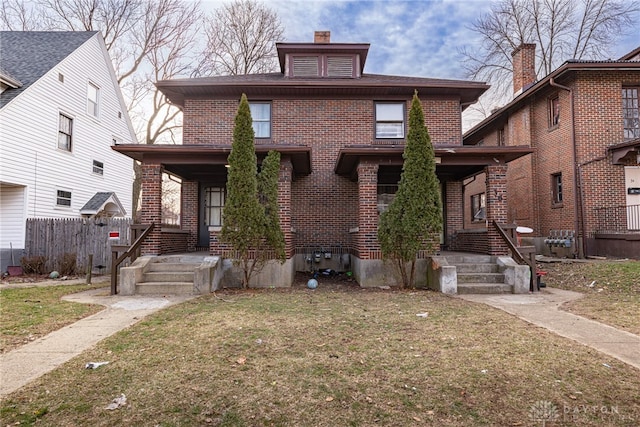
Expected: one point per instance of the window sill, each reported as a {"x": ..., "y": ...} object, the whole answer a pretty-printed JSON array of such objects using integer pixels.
[
  {"x": 557, "y": 205},
  {"x": 552, "y": 128},
  {"x": 215, "y": 228}
]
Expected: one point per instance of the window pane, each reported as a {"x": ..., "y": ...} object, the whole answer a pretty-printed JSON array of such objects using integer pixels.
[
  {"x": 389, "y": 112},
  {"x": 260, "y": 111},
  {"x": 389, "y": 130},
  {"x": 262, "y": 129},
  {"x": 92, "y": 99},
  {"x": 64, "y": 198}
]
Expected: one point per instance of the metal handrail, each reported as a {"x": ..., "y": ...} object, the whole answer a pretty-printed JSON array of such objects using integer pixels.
[{"x": 131, "y": 251}]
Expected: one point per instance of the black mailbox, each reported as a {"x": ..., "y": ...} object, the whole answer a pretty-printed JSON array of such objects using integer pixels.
[{"x": 633, "y": 190}]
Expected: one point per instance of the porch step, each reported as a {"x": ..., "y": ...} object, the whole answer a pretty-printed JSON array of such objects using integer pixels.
[
  {"x": 479, "y": 277},
  {"x": 484, "y": 288},
  {"x": 164, "y": 288},
  {"x": 169, "y": 275},
  {"x": 477, "y": 268}
]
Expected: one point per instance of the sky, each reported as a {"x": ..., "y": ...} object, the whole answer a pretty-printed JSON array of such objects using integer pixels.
[
  {"x": 421, "y": 38},
  {"x": 412, "y": 38}
]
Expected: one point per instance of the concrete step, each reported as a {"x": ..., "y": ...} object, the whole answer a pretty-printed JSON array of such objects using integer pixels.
[
  {"x": 470, "y": 259},
  {"x": 172, "y": 266},
  {"x": 484, "y": 288},
  {"x": 477, "y": 268},
  {"x": 164, "y": 288},
  {"x": 168, "y": 276},
  {"x": 480, "y": 278}
]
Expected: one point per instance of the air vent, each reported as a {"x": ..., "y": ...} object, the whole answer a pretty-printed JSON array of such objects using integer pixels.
[
  {"x": 305, "y": 66},
  {"x": 340, "y": 66},
  {"x": 61, "y": 77}
]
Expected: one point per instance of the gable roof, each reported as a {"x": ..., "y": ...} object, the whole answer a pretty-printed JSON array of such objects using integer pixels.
[
  {"x": 28, "y": 55},
  {"x": 106, "y": 203}
]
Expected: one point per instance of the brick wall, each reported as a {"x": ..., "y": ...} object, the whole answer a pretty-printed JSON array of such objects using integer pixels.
[
  {"x": 189, "y": 212},
  {"x": 323, "y": 206}
]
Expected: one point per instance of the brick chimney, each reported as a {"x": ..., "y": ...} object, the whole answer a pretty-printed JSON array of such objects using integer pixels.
[
  {"x": 322, "y": 37},
  {"x": 524, "y": 67}
]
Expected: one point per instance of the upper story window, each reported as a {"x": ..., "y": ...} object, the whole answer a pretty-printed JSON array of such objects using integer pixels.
[
  {"x": 98, "y": 167},
  {"x": 631, "y": 112},
  {"x": 93, "y": 98},
  {"x": 390, "y": 120},
  {"x": 65, "y": 129},
  {"x": 554, "y": 111},
  {"x": 63, "y": 198},
  {"x": 261, "y": 116}
]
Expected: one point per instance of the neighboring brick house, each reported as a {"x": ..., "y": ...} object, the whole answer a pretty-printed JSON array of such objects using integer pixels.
[
  {"x": 341, "y": 133},
  {"x": 582, "y": 181}
]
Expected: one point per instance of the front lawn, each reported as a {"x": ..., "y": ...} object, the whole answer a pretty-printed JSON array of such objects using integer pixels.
[
  {"x": 336, "y": 356},
  {"x": 30, "y": 313},
  {"x": 611, "y": 288}
]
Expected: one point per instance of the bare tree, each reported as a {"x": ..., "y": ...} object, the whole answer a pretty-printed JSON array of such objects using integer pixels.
[
  {"x": 561, "y": 30},
  {"x": 18, "y": 15},
  {"x": 241, "y": 39}
]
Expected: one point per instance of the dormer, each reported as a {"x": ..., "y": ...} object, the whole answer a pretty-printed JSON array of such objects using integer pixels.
[{"x": 322, "y": 59}]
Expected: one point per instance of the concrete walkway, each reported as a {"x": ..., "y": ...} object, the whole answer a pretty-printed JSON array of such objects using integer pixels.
[
  {"x": 25, "y": 364},
  {"x": 543, "y": 309}
]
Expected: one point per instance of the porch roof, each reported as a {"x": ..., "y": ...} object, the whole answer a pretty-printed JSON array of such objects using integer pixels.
[
  {"x": 203, "y": 162},
  {"x": 452, "y": 162},
  {"x": 622, "y": 150}
]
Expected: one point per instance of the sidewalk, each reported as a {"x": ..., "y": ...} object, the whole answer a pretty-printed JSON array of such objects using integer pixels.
[
  {"x": 25, "y": 364},
  {"x": 543, "y": 309}
]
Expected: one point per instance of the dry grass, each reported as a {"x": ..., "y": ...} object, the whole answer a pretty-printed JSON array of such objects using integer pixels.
[
  {"x": 611, "y": 288},
  {"x": 336, "y": 356},
  {"x": 30, "y": 313}
]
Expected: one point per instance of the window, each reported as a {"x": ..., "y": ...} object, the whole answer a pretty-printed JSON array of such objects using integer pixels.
[
  {"x": 631, "y": 112},
  {"x": 213, "y": 205},
  {"x": 65, "y": 129},
  {"x": 98, "y": 167},
  {"x": 61, "y": 77},
  {"x": 63, "y": 198},
  {"x": 93, "y": 93},
  {"x": 554, "y": 111},
  {"x": 556, "y": 188},
  {"x": 478, "y": 207},
  {"x": 501, "y": 137},
  {"x": 389, "y": 120},
  {"x": 261, "y": 115}
]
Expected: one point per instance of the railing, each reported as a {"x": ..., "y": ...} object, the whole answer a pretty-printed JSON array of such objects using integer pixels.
[
  {"x": 521, "y": 254},
  {"x": 129, "y": 251},
  {"x": 618, "y": 219}
]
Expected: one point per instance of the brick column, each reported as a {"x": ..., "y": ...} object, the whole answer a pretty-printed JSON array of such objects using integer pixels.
[
  {"x": 454, "y": 211},
  {"x": 284, "y": 203},
  {"x": 496, "y": 206},
  {"x": 152, "y": 206},
  {"x": 367, "y": 238},
  {"x": 189, "y": 212}
]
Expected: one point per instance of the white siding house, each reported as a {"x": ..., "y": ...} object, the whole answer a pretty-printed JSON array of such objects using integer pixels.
[{"x": 61, "y": 110}]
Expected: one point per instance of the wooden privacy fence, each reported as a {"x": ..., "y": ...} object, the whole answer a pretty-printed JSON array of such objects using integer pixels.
[{"x": 53, "y": 238}]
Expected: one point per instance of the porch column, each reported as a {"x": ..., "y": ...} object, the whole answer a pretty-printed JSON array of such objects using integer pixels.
[
  {"x": 189, "y": 212},
  {"x": 284, "y": 203},
  {"x": 496, "y": 206},
  {"x": 152, "y": 207},
  {"x": 367, "y": 240},
  {"x": 454, "y": 211}
]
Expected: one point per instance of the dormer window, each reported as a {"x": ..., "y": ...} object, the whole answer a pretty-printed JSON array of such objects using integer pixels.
[{"x": 323, "y": 65}]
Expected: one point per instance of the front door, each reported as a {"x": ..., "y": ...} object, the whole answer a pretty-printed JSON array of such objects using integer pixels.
[
  {"x": 632, "y": 188},
  {"x": 211, "y": 204}
]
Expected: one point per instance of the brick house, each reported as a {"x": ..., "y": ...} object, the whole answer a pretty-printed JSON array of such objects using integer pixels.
[
  {"x": 580, "y": 189},
  {"x": 340, "y": 133}
]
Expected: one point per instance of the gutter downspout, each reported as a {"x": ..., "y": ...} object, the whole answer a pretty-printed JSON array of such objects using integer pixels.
[{"x": 577, "y": 199}]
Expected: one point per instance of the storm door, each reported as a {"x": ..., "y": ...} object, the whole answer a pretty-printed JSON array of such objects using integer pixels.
[{"x": 212, "y": 199}]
